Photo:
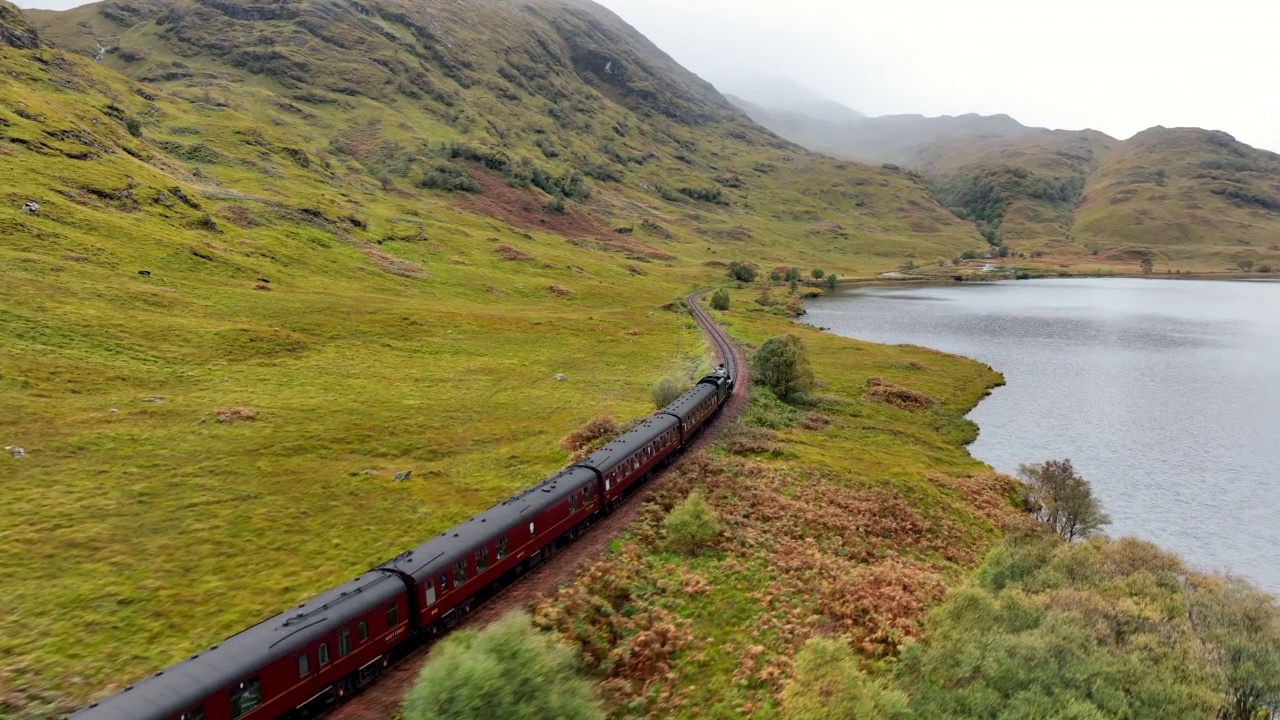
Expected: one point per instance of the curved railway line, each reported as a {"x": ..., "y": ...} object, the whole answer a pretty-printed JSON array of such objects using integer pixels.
[
  {"x": 312, "y": 659},
  {"x": 382, "y": 699}
]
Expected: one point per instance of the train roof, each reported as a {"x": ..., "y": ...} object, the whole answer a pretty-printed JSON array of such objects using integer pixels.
[
  {"x": 441, "y": 551},
  {"x": 609, "y": 456},
  {"x": 240, "y": 656},
  {"x": 684, "y": 405}
]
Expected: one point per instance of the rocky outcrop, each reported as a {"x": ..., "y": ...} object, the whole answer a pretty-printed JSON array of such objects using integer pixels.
[{"x": 15, "y": 31}]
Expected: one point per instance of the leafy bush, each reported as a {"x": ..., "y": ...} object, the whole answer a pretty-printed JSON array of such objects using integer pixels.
[
  {"x": 720, "y": 300},
  {"x": 711, "y": 195},
  {"x": 782, "y": 365},
  {"x": 449, "y": 177},
  {"x": 817, "y": 273},
  {"x": 829, "y": 685},
  {"x": 691, "y": 525},
  {"x": 831, "y": 281},
  {"x": 741, "y": 271},
  {"x": 508, "y": 670},
  {"x": 666, "y": 391},
  {"x": 557, "y": 205},
  {"x": 133, "y": 126}
]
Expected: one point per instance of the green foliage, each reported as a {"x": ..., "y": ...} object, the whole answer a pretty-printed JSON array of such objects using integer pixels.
[
  {"x": 692, "y": 525},
  {"x": 507, "y": 670},
  {"x": 1089, "y": 630},
  {"x": 133, "y": 126},
  {"x": 557, "y": 205},
  {"x": 817, "y": 273},
  {"x": 720, "y": 300},
  {"x": 829, "y": 685},
  {"x": 793, "y": 286},
  {"x": 449, "y": 177},
  {"x": 775, "y": 276},
  {"x": 667, "y": 390},
  {"x": 711, "y": 194},
  {"x": 793, "y": 273},
  {"x": 767, "y": 411},
  {"x": 742, "y": 272},
  {"x": 1264, "y": 268},
  {"x": 1062, "y": 499},
  {"x": 1245, "y": 265},
  {"x": 1240, "y": 624},
  {"x": 782, "y": 365},
  {"x": 831, "y": 281}
]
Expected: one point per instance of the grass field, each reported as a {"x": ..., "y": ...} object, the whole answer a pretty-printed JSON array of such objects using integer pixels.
[{"x": 851, "y": 517}]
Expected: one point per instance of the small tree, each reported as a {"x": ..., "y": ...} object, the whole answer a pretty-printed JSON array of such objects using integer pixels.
[
  {"x": 765, "y": 298},
  {"x": 831, "y": 281},
  {"x": 133, "y": 126},
  {"x": 1245, "y": 265},
  {"x": 742, "y": 272},
  {"x": 666, "y": 391},
  {"x": 720, "y": 300},
  {"x": 793, "y": 273},
  {"x": 1061, "y": 498},
  {"x": 817, "y": 273},
  {"x": 793, "y": 286},
  {"x": 508, "y": 670},
  {"x": 782, "y": 365},
  {"x": 691, "y": 525}
]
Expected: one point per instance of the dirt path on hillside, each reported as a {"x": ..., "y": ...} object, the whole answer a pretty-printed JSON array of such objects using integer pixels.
[{"x": 381, "y": 700}]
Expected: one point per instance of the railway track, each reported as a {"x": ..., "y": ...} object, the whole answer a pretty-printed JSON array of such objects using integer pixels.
[{"x": 384, "y": 696}]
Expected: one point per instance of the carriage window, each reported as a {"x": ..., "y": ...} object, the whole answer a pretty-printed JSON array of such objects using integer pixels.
[
  {"x": 304, "y": 667},
  {"x": 573, "y": 501},
  {"x": 482, "y": 559},
  {"x": 431, "y": 589},
  {"x": 323, "y": 652},
  {"x": 344, "y": 642},
  {"x": 531, "y": 530},
  {"x": 246, "y": 698},
  {"x": 362, "y": 630},
  {"x": 502, "y": 547},
  {"x": 393, "y": 614},
  {"x": 196, "y": 713},
  {"x": 459, "y": 573}
]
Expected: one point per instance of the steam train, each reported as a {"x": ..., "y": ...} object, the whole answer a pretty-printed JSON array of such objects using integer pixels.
[{"x": 296, "y": 664}]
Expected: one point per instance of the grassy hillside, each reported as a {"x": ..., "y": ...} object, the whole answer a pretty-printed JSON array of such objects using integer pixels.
[
  {"x": 260, "y": 276},
  {"x": 1174, "y": 194}
]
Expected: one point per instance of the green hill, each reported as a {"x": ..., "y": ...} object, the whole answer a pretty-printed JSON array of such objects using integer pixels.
[{"x": 262, "y": 258}]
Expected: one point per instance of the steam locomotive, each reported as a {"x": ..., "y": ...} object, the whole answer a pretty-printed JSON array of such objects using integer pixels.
[{"x": 299, "y": 662}]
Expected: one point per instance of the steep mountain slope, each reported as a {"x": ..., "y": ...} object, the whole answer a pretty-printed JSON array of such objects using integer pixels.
[{"x": 379, "y": 230}]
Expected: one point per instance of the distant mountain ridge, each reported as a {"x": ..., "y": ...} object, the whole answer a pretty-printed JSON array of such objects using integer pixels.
[{"x": 1165, "y": 194}]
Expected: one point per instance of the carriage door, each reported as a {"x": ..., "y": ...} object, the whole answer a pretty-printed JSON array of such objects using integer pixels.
[{"x": 431, "y": 593}]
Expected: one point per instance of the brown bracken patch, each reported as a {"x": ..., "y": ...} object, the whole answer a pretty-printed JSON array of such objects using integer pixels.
[
  {"x": 525, "y": 208},
  {"x": 506, "y": 252},
  {"x": 883, "y": 391},
  {"x": 236, "y": 414},
  {"x": 559, "y": 291}
]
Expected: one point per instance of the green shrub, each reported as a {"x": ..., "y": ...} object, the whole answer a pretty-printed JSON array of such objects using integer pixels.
[
  {"x": 720, "y": 300},
  {"x": 782, "y": 365},
  {"x": 767, "y": 411},
  {"x": 507, "y": 670},
  {"x": 691, "y": 525},
  {"x": 831, "y": 281},
  {"x": 449, "y": 177},
  {"x": 828, "y": 684},
  {"x": 557, "y": 205},
  {"x": 817, "y": 273},
  {"x": 741, "y": 271},
  {"x": 133, "y": 126},
  {"x": 666, "y": 391}
]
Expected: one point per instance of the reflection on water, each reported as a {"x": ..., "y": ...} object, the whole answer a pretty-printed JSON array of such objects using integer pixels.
[{"x": 1164, "y": 393}]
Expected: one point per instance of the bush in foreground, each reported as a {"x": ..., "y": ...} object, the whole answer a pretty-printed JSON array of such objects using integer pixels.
[
  {"x": 508, "y": 670},
  {"x": 782, "y": 365},
  {"x": 691, "y": 525}
]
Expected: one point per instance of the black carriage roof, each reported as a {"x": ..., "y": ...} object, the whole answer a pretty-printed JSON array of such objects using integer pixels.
[
  {"x": 608, "y": 457},
  {"x": 240, "y": 656},
  {"x": 441, "y": 551}
]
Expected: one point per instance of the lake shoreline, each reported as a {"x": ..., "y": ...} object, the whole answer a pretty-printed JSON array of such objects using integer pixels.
[{"x": 1088, "y": 363}]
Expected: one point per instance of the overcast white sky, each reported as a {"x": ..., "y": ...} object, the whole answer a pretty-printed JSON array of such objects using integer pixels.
[
  {"x": 1113, "y": 65},
  {"x": 1118, "y": 66}
]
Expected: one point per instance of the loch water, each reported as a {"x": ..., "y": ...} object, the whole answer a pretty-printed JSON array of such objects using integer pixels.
[{"x": 1165, "y": 394}]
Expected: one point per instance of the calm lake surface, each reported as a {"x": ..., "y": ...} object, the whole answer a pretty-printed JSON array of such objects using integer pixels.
[{"x": 1165, "y": 394}]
